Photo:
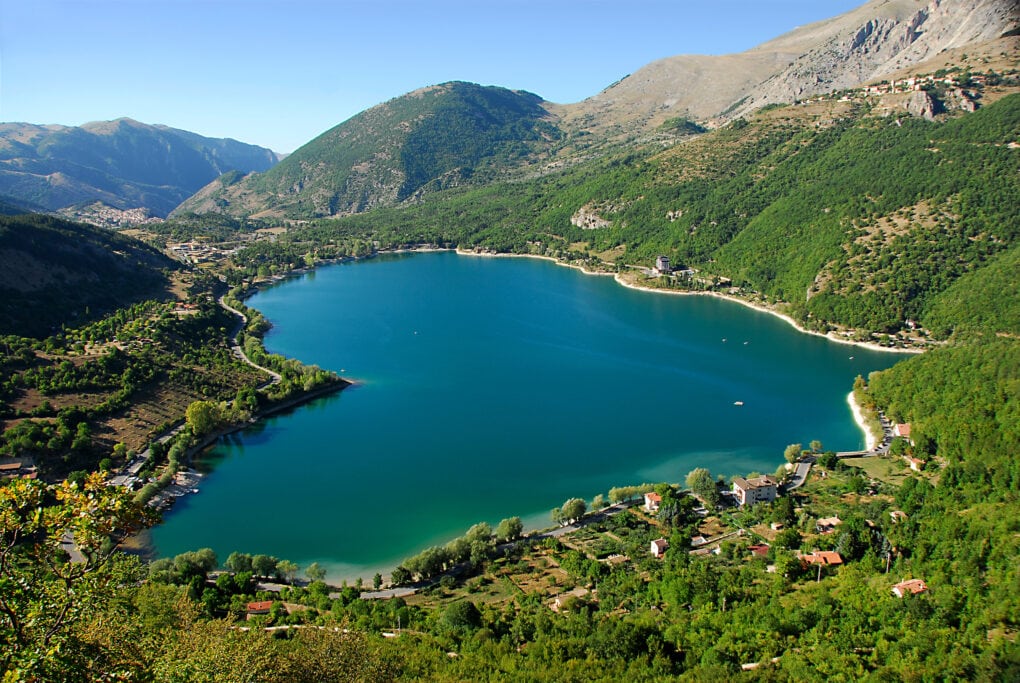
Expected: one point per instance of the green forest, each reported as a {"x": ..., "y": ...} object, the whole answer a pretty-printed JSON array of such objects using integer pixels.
[{"x": 858, "y": 222}]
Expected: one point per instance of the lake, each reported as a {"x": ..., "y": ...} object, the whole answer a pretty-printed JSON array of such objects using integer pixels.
[{"x": 492, "y": 387}]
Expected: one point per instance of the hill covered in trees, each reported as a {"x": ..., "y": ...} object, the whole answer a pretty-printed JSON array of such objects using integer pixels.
[
  {"x": 55, "y": 273},
  {"x": 442, "y": 136}
]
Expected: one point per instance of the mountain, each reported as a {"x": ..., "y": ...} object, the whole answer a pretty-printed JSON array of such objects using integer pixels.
[
  {"x": 436, "y": 137},
  {"x": 55, "y": 272},
  {"x": 123, "y": 163},
  {"x": 866, "y": 44},
  {"x": 459, "y": 134}
]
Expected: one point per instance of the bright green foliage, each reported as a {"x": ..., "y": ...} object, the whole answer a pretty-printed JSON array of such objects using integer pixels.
[{"x": 44, "y": 598}]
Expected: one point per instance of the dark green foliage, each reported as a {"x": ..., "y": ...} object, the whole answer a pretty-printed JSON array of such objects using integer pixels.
[
  {"x": 469, "y": 124},
  {"x": 55, "y": 273}
]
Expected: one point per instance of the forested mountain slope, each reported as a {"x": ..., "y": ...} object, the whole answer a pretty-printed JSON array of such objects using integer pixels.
[
  {"x": 54, "y": 273},
  {"x": 437, "y": 137},
  {"x": 844, "y": 217}
]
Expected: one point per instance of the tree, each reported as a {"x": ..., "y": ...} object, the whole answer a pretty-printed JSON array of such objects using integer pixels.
[
  {"x": 816, "y": 446},
  {"x": 203, "y": 417},
  {"x": 377, "y": 581},
  {"x": 700, "y": 481},
  {"x": 574, "y": 509},
  {"x": 400, "y": 576},
  {"x": 315, "y": 572},
  {"x": 287, "y": 569},
  {"x": 479, "y": 532},
  {"x": 509, "y": 529},
  {"x": 238, "y": 562},
  {"x": 828, "y": 460},
  {"x": 44, "y": 597},
  {"x": 598, "y": 502},
  {"x": 263, "y": 565},
  {"x": 462, "y": 614},
  {"x": 783, "y": 511},
  {"x": 793, "y": 452}
]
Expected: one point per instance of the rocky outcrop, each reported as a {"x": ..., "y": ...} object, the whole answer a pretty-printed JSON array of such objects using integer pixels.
[
  {"x": 879, "y": 39},
  {"x": 922, "y": 104},
  {"x": 865, "y": 44}
]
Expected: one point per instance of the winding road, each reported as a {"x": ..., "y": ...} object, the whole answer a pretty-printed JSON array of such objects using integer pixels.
[{"x": 236, "y": 349}]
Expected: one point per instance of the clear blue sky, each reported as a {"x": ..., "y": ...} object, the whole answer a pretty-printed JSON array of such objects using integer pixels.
[{"x": 279, "y": 72}]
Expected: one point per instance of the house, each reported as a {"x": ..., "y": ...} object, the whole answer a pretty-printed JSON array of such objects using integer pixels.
[
  {"x": 897, "y": 516},
  {"x": 826, "y": 558},
  {"x": 662, "y": 265},
  {"x": 652, "y": 501},
  {"x": 903, "y": 431},
  {"x": 911, "y": 586},
  {"x": 258, "y": 608},
  {"x": 756, "y": 490},
  {"x": 659, "y": 547},
  {"x": 569, "y": 600},
  {"x": 916, "y": 464},
  {"x": 827, "y": 525},
  {"x": 759, "y": 550},
  {"x": 698, "y": 541}
]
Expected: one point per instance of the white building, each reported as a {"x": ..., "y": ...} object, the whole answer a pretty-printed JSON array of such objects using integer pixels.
[{"x": 757, "y": 490}]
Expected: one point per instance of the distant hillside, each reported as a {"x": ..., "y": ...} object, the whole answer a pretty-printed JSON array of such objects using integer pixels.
[
  {"x": 123, "y": 163},
  {"x": 434, "y": 138},
  {"x": 54, "y": 272}
]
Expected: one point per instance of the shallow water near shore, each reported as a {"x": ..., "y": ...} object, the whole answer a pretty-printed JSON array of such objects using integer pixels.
[{"x": 498, "y": 387}]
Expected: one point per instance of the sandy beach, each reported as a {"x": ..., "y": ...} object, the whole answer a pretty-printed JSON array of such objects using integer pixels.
[{"x": 869, "y": 439}]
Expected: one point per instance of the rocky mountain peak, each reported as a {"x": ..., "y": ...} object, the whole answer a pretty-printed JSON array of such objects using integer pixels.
[{"x": 880, "y": 38}]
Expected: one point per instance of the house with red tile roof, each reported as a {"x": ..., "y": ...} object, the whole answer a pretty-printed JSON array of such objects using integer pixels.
[
  {"x": 910, "y": 586},
  {"x": 826, "y": 558}
]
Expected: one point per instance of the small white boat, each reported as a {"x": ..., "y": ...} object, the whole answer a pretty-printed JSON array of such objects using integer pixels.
[{"x": 738, "y": 403}]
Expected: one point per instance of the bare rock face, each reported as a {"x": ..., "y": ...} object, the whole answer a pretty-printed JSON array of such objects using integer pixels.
[
  {"x": 868, "y": 43},
  {"x": 878, "y": 39},
  {"x": 922, "y": 104}
]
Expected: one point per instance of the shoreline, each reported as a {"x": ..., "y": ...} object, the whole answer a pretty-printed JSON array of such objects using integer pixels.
[
  {"x": 869, "y": 439},
  {"x": 871, "y": 346},
  {"x": 620, "y": 280},
  {"x": 343, "y": 383}
]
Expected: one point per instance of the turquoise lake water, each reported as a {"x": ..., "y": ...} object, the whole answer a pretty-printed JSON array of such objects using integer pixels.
[{"x": 491, "y": 387}]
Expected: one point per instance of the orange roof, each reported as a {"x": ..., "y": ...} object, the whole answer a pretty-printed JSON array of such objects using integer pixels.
[
  {"x": 653, "y": 497},
  {"x": 260, "y": 606},
  {"x": 903, "y": 429},
  {"x": 826, "y": 557},
  {"x": 912, "y": 586}
]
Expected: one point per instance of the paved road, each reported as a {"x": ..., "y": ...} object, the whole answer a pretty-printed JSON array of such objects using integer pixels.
[
  {"x": 236, "y": 348},
  {"x": 880, "y": 449},
  {"x": 800, "y": 474},
  {"x": 804, "y": 465}
]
